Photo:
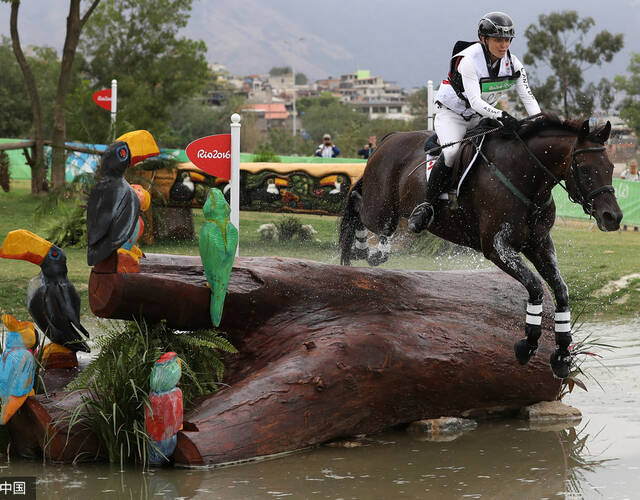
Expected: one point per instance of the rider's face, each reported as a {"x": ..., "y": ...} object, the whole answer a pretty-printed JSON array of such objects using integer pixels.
[{"x": 498, "y": 46}]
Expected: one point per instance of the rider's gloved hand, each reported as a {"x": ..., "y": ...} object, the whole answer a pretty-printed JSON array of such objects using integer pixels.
[{"x": 509, "y": 123}]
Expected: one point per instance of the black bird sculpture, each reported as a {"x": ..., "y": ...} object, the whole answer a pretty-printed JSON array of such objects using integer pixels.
[
  {"x": 114, "y": 207},
  {"x": 52, "y": 300}
]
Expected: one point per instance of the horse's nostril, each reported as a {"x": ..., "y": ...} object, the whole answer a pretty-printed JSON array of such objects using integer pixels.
[{"x": 612, "y": 220}]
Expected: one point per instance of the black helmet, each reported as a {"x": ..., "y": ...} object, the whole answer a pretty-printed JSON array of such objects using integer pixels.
[{"x": 496, "y": 24}]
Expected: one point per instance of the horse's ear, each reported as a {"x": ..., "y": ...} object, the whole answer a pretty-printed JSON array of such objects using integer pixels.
[
  {"x": 602, "y": 135},
  {"x": 584, "y": 130}
]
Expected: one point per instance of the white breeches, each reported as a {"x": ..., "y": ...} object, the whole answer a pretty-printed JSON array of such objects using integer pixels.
[{"x": 451, "y": 127}]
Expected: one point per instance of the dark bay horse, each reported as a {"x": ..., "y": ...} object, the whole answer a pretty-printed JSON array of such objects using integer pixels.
[{"x": 504, "y": 208}]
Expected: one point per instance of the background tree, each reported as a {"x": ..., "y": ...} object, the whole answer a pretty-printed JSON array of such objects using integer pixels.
[
  {"x": 75, "y": 23},
  {"x": 15, "y": 109},
  {"x": 36, "y": 162},
  {"x": 301, "y": 79},
  {"x": 557, "y": 42},
  {"x": 280, "y": 70},
  {"x": 630, "y": 105},
  {"x": 350, "y": 129},
  {"x": 418, "y": 104},
  {"x": 137, "y": 43}
]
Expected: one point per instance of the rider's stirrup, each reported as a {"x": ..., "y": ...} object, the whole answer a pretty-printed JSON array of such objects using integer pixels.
[{"x": 421, "y": 217}]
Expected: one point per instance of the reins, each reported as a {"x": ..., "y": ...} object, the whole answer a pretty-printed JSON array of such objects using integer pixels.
[
  {"x": 533, "y": 207},
  {"x": 585, "y": 201}
]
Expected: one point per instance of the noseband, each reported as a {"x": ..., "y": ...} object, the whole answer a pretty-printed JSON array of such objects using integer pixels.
[{"x": 585, "y": 200}]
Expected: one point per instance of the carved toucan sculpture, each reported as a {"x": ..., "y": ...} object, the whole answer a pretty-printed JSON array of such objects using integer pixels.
[
  {"x": 164, "y": 419},
  {"x": 218, "y": 243},
  {"x": 17, "y": 366},
  {"x": 114, "y": 207},
  {"x": 52, "y": 300},
  {"x": 130, "y": 247}
]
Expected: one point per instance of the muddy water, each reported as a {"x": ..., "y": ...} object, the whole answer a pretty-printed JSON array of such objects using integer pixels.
[{"x": 600, "y": 458}]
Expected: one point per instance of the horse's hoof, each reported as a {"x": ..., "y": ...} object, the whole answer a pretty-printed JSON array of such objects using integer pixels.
[
  {"x": 377, "y": 258},
  {"x": 524, "y": 351},
  {"x": 560, "y": 364}
]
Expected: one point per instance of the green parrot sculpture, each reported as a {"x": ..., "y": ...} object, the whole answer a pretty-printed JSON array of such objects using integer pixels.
[{"x": 218, "y": 243}]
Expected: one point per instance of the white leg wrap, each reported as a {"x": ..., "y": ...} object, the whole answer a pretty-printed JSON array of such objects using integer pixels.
[
  {"x": 361, "y": 234},
  {"x": 384, "y": 247},
  {"x": 362, "y": 245},
  {"x": 534, "y": 308},
  {"x": 563, "y": 322},
  {"x": 534, "y": 314},
  {"x": 534, "y": 320}
]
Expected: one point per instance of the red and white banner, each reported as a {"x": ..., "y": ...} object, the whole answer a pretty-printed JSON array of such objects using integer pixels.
[
  {"x": 103, "y": 98},
  {"x": 212, "y": 154}
]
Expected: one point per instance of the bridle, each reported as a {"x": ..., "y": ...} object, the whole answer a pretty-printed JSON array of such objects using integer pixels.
[{"x": 585, "y": 200}]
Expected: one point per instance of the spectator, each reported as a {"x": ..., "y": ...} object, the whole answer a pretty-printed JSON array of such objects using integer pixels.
[
  {"x": 631, "y": 173},
  {"x": 327, "y": 149},
  {"x": 366, "y": 151}
]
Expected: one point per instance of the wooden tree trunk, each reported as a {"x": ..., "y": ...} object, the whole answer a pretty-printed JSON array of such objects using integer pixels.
[
  {"x": 75, "y": 22},
  {"x": 327, "y": 351},
  {"x": 36, "y": 160}
]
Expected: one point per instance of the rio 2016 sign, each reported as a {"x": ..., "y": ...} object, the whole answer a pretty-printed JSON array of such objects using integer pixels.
[
  {"x": 103, "y": 98},
  {"x": 212, "y": 154}
]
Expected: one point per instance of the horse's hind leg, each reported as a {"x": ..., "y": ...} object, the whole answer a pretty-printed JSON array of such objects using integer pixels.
[
  {"x": 501, "y": 252},
  {"x": 543, "y": 257},
  {"x": 380, "y": 253}
]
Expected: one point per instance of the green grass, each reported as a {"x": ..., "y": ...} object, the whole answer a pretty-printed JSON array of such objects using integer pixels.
[{"x": 588, "y": 258}]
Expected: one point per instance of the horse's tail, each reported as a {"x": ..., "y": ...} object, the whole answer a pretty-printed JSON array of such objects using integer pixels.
[{"x": 350, "y": 222}]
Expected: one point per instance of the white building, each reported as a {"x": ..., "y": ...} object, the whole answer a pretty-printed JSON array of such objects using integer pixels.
[{"x": 374, "y": 96}]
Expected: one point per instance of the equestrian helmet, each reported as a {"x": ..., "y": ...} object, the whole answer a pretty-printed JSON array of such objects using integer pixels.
[{"x": 497, "y": 25}]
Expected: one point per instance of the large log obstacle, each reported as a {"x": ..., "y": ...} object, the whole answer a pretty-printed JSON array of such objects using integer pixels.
[{"x": 327, "y": 351}]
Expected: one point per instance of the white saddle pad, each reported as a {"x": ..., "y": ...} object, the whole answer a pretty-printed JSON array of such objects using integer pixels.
[{"x": 432, "y": 159}]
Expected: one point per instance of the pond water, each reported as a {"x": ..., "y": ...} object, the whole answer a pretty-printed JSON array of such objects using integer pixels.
[{"x": 599, "y": 458}]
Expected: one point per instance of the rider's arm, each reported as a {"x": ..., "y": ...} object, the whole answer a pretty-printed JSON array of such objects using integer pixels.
[
  {"x": 472, "y": 90},
  {"x": 524, "y": 91}
]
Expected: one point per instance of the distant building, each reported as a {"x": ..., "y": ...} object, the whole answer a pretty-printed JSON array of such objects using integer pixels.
[
  {"x": 327, "y": 85},
  {"x": 268, "y": 115},
  {"x": 373, "y": 96}
]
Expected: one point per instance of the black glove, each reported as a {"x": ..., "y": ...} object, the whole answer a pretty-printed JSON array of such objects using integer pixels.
[{"x": 509, "y": 123}]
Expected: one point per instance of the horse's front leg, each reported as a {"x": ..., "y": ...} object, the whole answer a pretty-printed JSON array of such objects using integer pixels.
[
  {"x": 501, "y": 252},
  {"x": 543, "y": 257}
]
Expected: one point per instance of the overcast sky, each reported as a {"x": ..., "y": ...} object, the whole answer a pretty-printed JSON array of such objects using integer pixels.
[{"x": 407, "y": 41}]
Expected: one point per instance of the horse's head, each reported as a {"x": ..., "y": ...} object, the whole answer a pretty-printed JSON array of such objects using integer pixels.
[{"x": 590, "y": 174}]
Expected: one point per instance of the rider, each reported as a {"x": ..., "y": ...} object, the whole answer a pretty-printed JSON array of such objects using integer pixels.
[{"x": 479, "y": 73}]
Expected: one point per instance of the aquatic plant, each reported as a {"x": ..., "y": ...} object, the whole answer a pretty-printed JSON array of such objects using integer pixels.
[
  {"x": 115, "y": 384},
  {"x": 585, "y": 347}
]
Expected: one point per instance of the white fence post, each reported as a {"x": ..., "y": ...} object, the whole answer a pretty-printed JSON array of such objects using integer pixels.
[
  {"x": 114, "y": 107},
  {"x": 235, "y": 175},
  {"x": 430, "y": 105}
]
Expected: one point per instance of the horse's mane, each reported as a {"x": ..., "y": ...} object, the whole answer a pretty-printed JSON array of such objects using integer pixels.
[{"x": 549, "y": 121}]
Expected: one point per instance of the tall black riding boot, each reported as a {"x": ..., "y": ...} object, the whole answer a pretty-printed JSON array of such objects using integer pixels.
[{"x": 423, "y": 214}]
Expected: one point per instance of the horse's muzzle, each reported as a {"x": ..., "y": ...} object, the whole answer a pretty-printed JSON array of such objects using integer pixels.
[{"x": 607, "y": 213}]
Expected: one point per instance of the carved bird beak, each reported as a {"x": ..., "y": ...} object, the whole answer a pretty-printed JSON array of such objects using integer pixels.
[
  {"x": 195, "y": 176},
  {"x": 25, "y": 245},
  {"x": 24, "y": 328},
  {"x": 141, "y": 144},
  {"x": 329, "y": 180}
]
